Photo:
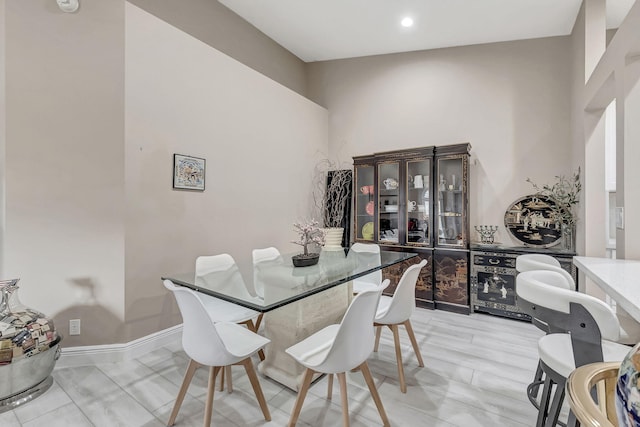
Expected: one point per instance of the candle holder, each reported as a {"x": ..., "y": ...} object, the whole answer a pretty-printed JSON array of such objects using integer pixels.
[{"x": 486, "y": 232}]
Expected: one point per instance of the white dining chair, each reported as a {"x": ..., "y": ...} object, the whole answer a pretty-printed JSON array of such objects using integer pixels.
[
  {"x": 258, "y": 256},
  {"x": 371, "y": 253},
  {"x": 224, "y": 311},
  {"x": 397, "y": 310},
  {"x": 339, "y": 348},
  {"x": 585, "y": 330},
  {"x": 209, "y": 342}
]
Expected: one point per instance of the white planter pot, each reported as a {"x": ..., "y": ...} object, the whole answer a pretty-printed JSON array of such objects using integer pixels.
[{"x": 333, "y": 239}]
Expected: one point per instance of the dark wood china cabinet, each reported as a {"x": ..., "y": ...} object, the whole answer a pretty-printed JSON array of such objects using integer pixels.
[{"x": 416, "y": 200}]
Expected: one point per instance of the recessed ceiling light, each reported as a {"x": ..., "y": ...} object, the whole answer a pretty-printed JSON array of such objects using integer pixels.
[{"x": 407, "y": 22}]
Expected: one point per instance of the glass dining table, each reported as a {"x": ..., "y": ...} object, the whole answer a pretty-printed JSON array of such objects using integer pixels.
[{"x": 297, "y": 301}]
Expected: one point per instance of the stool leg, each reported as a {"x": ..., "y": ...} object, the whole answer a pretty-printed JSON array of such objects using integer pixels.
[
  {"x": 536, "y": 379},
  {"x": 556, "y": 405},
  {"x": 544, "y": 402}
]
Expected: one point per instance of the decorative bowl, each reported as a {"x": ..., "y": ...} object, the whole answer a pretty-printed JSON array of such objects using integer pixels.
[
  {"x": 303, "y": 260},
  {"x": 628, "y": 389}
]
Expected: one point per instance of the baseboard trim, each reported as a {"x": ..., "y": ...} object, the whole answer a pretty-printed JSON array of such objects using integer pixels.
[{"x": 110, "y": 353}]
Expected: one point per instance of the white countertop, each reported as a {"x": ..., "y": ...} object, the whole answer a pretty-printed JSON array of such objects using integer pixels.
[{"x": 619, "y": 278}]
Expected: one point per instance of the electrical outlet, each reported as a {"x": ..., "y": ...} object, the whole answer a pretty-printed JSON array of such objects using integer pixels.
[{"x": 74, "y": 327}]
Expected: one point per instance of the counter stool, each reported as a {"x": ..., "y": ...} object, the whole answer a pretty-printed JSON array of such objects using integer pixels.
[
  {"x": 533, "y": 262},
  {"x": 629, "y": 327},
  {"x": 590, "y": 329},
  {"x": 585, "y": 411}
]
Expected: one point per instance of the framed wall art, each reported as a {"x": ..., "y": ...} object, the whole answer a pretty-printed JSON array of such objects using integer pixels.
[
  {"x": 530, "y": 220},
  {"x": 188, "y": 172}
]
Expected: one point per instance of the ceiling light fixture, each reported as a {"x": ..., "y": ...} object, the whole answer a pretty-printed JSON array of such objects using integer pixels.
[
  {"x": 407, "y": 22},
  {"x": 68, "y": 6}
]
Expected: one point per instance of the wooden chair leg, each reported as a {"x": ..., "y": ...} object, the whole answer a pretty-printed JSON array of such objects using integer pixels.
[
  {"x": 342, "y": 379},
  {"x": 414, "y": 342},
  {"x": 396, "y": 340},
  {"x": 259, "y": 321},
  {"x": 227, "y": 371},
  {"x": 253, "y": 378},
  {"x": 329, "y": 386},
  {"x": 378, "y": 333},
  {"x": 188, "y": 376},
  {"x": 302, "y": 393},
  {"x": 208, "y": 409},
  {"x": 374, "y": 393},
  {"x": 222, "y": 375},
  {"x": 253, "y": 328}
]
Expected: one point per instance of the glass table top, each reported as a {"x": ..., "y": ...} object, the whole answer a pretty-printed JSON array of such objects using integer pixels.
[{"x": 282, "y": 283}]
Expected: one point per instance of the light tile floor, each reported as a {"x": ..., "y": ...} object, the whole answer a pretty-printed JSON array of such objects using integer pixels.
[{"x": 476, "y": 371}]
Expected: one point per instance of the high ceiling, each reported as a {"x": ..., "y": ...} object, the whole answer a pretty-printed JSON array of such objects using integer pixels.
[{"x": 318, "y": 30}]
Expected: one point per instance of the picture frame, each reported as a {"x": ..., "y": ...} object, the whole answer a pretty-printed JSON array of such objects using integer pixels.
[{"x": 188, "y": 172}]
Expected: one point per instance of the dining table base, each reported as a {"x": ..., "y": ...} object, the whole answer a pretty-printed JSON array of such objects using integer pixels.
[{"x": 292, "y": 323}]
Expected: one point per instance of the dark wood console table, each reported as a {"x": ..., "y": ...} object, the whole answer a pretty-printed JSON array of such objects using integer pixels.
[{"x": 493, "y": 277}]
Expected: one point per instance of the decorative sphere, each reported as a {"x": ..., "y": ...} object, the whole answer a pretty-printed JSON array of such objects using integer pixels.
[{"x": 628, "y": 389}]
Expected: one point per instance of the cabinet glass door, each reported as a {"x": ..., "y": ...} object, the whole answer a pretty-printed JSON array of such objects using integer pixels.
[
  {"x": 388, "y": 202},
  {"x": 450, "y": 208},
  {"x": 364, "y": 189},
  {"x": 418, "y": 203}
]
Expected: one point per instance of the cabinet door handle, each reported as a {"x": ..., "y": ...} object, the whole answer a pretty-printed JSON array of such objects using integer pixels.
[{"x": 494, "y": 261}]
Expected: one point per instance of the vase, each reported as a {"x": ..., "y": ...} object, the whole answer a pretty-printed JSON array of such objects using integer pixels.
[
  {"x": 303, "y": 260},
  {"x": 333, "y": 239},
  {"x": 568, "y": 236},
  {"x": 29, "y": 348},
  {"x": 627, "y": 398}
]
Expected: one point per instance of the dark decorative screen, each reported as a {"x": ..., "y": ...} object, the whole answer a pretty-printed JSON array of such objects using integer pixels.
[{"x": 529, "y": 219}]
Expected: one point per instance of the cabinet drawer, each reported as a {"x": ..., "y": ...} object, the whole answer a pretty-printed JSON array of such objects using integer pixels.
[{"x": 494, "y": 260}]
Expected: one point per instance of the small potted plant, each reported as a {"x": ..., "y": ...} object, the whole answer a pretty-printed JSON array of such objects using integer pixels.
[{"x": 308, "y": 233}]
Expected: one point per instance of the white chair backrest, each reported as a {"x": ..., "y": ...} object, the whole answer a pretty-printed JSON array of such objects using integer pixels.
[
  {"x": 221, "y": 273},
  {"x": 368, "y": 254},
  {"x": 354, "y": 341},
  {"x": 262, "y": 255},
  {"x": 403, "y": 302},
  {"x": 200, "y": 339},
  {"x": 538, "y": 287},
  {"x": 531, "y": 262}
]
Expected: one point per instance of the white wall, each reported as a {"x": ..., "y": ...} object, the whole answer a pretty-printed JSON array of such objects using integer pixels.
[
  {"x": 260, "y": 141},
  {"x": 65, "y": 162},
  {"x": 92, "y": 222},
  {"x": 2, "y": 136},
  {"x": 511, "y": 101}
]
